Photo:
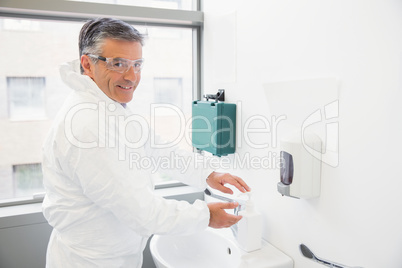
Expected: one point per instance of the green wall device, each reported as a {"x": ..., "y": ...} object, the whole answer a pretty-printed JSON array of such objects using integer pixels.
[{"x": 214, "y": 125}]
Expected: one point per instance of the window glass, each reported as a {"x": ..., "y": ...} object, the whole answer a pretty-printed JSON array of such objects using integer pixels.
[
  {"x": 31, "y": 92},
  {"x": 26, "y": 97},
  {"x": 30, "y": 84},
  {"x": 168, "y": 90},
  {"x": 27, "y": 179},
  {"x": 167, "y": 4},
  {"x": 165, "y": 93}
]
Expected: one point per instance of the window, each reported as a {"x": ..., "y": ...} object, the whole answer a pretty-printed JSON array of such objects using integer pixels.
[
  {"x": 31, "y": 90},
  {"x": 21, "y": 180},
  {"x": 26, "y": 97},
  {"x": 168, "y": 90},
  {"x": 166, "y": 80},
  {"x": 27, "y": 179}
]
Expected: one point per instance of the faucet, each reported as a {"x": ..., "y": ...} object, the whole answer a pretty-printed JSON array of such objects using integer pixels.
[{"x": 240, "y": 207}]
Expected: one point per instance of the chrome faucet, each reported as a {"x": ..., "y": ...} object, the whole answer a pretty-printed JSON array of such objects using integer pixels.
[{"x": 240, "y": 207}]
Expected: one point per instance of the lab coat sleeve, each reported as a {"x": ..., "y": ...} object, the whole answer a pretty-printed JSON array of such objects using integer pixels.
[{"x": 110, "y": 182}]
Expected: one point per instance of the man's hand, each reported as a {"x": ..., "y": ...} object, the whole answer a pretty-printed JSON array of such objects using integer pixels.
[
  {"x": 218, "y": 216},
  {"x": 217, "y": 181}
]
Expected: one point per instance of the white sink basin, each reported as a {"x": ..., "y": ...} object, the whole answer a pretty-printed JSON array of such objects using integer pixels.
[{"x": 213, "y": 248}]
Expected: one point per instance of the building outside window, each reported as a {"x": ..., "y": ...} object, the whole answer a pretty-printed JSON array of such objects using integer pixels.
[
  {"x": 27, "y": 179},
  {"x": 26, "y": 97}
]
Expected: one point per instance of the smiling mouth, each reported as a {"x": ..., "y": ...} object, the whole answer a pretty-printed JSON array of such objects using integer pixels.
[{"x": 125, "y": 87}]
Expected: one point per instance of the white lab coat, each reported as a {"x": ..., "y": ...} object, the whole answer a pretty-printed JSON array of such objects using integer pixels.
[{"x": 102, "y": 208}]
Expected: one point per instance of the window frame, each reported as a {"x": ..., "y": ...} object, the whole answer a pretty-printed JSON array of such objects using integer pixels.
[{"x": 64, "y": 10}]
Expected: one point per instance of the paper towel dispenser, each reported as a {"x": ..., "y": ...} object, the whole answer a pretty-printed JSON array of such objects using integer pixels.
[{"x": 214, "y": 125}]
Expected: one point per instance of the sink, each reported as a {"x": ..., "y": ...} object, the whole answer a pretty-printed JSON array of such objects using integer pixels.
[{"x": 213, "y": 248}]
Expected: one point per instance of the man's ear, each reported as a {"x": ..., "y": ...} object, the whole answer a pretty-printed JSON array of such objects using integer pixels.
[{"x": 87, "y": 65}]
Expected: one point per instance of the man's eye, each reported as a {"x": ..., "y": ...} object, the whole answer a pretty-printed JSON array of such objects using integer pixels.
[{"x": 119, "y": 64}]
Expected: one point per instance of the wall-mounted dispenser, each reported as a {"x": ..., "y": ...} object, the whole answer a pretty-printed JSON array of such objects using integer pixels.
[
  {"x": 300, "y": 171},
  {"x": 214, "y": 125}
]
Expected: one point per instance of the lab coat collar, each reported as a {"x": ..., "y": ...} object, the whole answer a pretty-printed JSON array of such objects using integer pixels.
[{"x": 71, "y": 75}]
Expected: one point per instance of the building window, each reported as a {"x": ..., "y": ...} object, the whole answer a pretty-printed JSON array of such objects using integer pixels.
[
  {"x": 26, "y": 97},
  {"x": 27, "y": 179}
]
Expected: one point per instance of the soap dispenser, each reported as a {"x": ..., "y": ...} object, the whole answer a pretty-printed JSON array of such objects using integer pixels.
[
  {"x": 300, "y": 172},
  {"x": 249, "y": 228}
]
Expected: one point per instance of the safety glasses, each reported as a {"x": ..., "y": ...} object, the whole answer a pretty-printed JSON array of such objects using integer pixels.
[{"x": 120, "y": 65}]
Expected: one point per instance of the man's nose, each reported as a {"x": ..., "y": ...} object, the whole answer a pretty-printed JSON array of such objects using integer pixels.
[{"x": 131, "y": 75}]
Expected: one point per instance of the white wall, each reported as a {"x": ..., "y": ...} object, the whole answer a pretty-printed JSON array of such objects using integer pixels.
[{"x": 357, "y": 219}]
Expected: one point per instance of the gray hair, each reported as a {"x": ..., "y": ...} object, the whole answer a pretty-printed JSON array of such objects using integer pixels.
[{"x": 94, "y": 33}]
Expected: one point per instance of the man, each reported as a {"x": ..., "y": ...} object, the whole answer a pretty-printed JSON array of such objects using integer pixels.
[{"x": 102, "y": 209}]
